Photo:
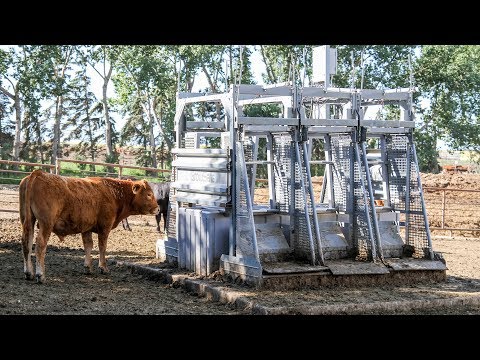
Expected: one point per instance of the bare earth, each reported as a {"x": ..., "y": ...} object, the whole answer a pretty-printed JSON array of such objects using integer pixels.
[{"x": 69, "y": 291}]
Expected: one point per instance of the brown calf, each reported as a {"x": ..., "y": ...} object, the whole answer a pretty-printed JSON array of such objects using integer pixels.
[{"x": 67, "y": 206}]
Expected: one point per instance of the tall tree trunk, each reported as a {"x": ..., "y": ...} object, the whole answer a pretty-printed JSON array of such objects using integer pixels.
[
  {"x": 151, "y": 136},
  {"x": 268, "y": 66},
  {"x": 108, "y": 125},
  {"x": 18, "y": 126},
  {"x": 56, "y": 153},
  {"x": 212, "y": 85},
  {"x": 39, "y": 141},
  {"x": 152, "y": 142},
  {"x": 158, "y": 117}
]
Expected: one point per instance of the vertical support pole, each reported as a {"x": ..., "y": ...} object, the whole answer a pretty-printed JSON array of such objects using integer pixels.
[
  {"x": 386, "y": 180},
  {"x": 324, "y": 187},
  {"x": 329, "y": 171},
  {"x": 364, "y": 195},
  {"x": 255, "y": 141},
  {"x": 314, "y": 208},
  {"x": 324, "y": 182},
  {"x": 350, "y": 203},
  {"x": 231, "y": 106},
  {"x": 305, "y": 204},
  {"x": 372, "y": 203},
  {"x": 241, "y": 158},
  {"x": 424, "y": 210},
  {"x": 407, "y": 195},
  {"x": 270, "y": 172}
]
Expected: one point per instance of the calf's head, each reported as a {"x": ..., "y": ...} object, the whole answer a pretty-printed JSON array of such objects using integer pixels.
[{"x": 143, "y": 199}]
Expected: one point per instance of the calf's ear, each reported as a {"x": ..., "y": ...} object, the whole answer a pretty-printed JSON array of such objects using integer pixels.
[{"x": 136, "y": 188}]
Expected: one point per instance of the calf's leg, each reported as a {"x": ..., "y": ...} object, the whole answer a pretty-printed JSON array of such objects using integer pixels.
[
  {"x": 165, "y": 222},
  {"x": 158, "y": 217},
  {"x": 27, "y": 244},
  {"x": 40, "y": 251},
  {"x": 126, "y": 225},
  {"x": 102, "y": 248},
  {"x": 88, "y": 245}
]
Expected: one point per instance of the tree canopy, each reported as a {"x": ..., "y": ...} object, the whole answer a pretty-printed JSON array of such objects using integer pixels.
[{"x": 47, "y": 95}]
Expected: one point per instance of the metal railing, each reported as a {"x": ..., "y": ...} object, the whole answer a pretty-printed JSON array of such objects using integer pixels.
[
  {"x": 448, "y": 206},
  {"x": 445, "y": 206}
]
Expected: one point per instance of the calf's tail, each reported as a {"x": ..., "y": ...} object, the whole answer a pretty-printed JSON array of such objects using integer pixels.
[{"x": 27, "y": 211}]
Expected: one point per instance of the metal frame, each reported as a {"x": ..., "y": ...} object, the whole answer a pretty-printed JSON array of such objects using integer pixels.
[{"x": 294, "y": 100}]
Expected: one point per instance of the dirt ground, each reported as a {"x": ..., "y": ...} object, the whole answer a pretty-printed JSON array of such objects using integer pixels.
[{"x": 69, "y": 291}]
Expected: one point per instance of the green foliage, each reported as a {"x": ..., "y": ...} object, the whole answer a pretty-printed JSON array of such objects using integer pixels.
[
  {"x": 284, "y": 62},
  {"x": 385, "y": 66},
  {"x": 112, "y": 159},
  {"x": 450, "y": 77},
  {"x": 267, "y": 110},
  {"x": 425, "y": 146},
  {"x": 84, "y": 123},
  {"x": 6, "y": 146},
  {"x": 6, "y": 129},
  {"x": 51, "y": 82}
]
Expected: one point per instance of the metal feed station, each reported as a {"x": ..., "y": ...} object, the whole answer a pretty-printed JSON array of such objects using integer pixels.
[{"x": 368, "y": 223}]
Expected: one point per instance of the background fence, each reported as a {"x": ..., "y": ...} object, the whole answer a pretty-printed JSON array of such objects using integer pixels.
[
  {"x": 19, "y": 169},
  {"x": 449, "y": 210},
  {"x": 78, "y": 169},
  {"x": 452, "y": 210}
]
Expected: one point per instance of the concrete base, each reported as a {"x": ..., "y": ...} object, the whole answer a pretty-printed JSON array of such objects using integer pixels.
[
  {"x": 392, "y": 242},
  {"x": 246, "y": 269},
  {"x": 272, "y": 244},
  {"x": 318, "y": 280},
  {"x": 334, "y": 245},
  {"x": 345, "y": 272},
  {"x": 166, "y": 249}
]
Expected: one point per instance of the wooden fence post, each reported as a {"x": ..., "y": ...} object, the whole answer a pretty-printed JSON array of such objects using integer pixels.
[
  {"x": 443, "y": 208},
  {"x": 57, "y": 166}
]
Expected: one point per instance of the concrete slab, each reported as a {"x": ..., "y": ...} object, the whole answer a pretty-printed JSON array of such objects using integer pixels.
[
  {"x": 290, "y": 267},
  {"x": 416, "y": 264},
  {"x": 351, "y": 267}
]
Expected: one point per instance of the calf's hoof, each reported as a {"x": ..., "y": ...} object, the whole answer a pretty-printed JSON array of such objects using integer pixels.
[
  {"x": 87, "y": 270},
  {"x": 104, "y": 270},
  {"x": 40, "y": 279},
  {"x": 28, "y": 276}
]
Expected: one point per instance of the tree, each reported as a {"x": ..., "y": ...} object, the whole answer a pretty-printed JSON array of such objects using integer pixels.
[
  {"x": 285, "y": 62},
  {"x": 59, "y": 58},
  {"x": 384, "y": 66},
  {"x": 449, "y": 76},
  {"x": 12, "y": 71},
  {"x": 146, "y": 86},
  {"x": 6, "y": 128},
  {"x": 81, "y": 106},
  {"x": 105, "y": 57}
]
